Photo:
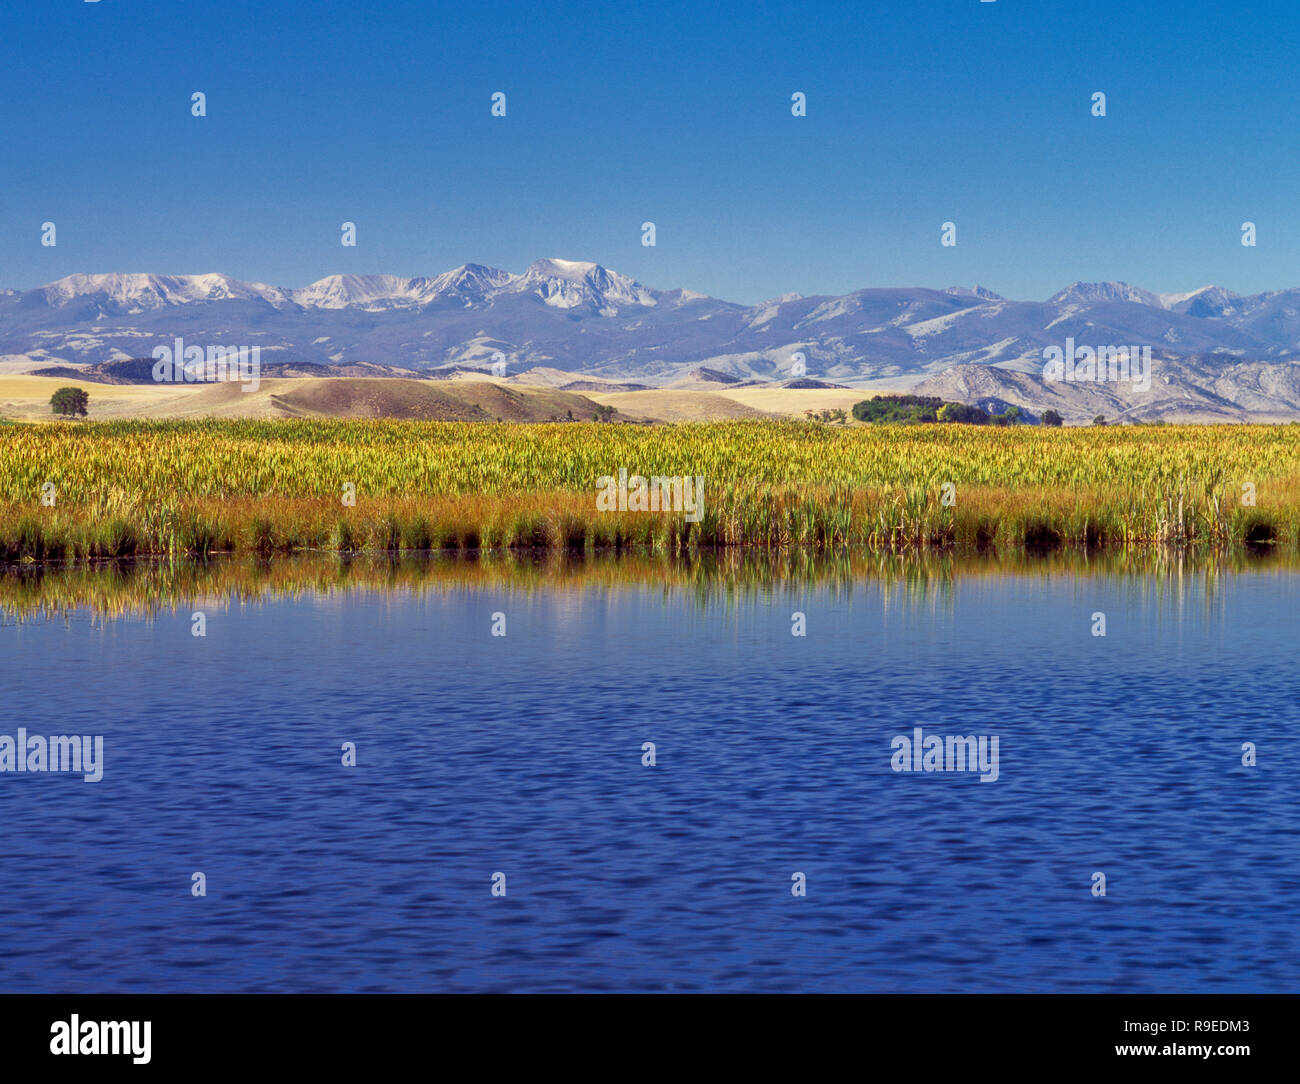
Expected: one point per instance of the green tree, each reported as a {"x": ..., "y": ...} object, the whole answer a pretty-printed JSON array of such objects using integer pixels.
[
  {"x": 964, "y": 413},
  {"x": 69, "y": 402},
  {"x": 1100, "y": 419},
  {"x": 1050, "y": 417}
]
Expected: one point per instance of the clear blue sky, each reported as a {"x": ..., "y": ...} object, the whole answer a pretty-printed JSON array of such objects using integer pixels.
[{"x": 677, "y": 113}]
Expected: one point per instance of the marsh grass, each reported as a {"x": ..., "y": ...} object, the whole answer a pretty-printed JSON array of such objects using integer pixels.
[{"x": 272, "y": 487}]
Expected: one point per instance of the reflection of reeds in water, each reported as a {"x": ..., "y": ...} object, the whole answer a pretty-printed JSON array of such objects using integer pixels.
[{"x": 142, "y": 587}]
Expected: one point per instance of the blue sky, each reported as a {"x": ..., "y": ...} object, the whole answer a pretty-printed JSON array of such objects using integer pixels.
[{"x": 918, "y": 113}]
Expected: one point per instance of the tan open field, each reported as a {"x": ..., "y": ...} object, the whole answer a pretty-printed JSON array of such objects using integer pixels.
[
  {"x": 13, "y": 364},
  {"x": 27, "y": 397},
  {"x": 792, "y": 402},
  {"x": 719, "y": 403},
  {"x": 674, "y": 406}
]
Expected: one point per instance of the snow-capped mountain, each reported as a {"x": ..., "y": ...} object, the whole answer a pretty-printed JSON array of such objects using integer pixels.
[
  {"x": 974, "y": 291},
  {"x": 561, "y": 284},
  {"x": 468, "y": 285},
  {"x": 581, "y": 317},
  {"x": 138, "y": 293},
  {"x": 1207, "y": 301},
  {"x": 572, "y": 284},
  {"x": 360, "y": 291},
  {"x": 1091, "y": 292}
]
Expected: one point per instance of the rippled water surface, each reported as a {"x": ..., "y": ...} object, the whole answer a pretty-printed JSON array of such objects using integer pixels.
[{"x": 523, "y": 755}]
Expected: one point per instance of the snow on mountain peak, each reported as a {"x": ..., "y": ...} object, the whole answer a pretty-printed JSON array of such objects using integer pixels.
[
  {"x": 567, "y": 284},
  {"x": 344, "y": 291},
  {"x": 1206, "y": 301},
  {"x": 469, "y": 280},
  {"x": 572, "y": 268},
  {"x": 468, "y": 284},
  {"x": 139, "y": 292},
  {"x": 559, "y": 283},
  {"x": 1106, "y": 291},
  {"x": 982, "y": 292}
]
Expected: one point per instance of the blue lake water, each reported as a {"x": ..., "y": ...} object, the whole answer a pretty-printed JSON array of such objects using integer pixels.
[{"x": 522, "y": 755}]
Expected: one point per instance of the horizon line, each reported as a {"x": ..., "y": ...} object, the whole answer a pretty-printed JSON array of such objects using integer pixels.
[{"x": 596, "y": 265}]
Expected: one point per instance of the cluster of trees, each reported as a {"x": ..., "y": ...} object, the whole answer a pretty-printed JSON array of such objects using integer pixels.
[
  {"x": 930, "y": 408},
  {"x": 899, "y": 408},
  {"x": 835, "y": 415}
]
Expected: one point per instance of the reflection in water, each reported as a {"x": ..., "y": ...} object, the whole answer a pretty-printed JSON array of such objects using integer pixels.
[
  {"x": 142, "y": 587},
  {"x": 1121, "y": 755}
]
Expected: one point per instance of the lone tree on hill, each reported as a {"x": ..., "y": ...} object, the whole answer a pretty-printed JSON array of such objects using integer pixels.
[{"x": 69, "y": 402}]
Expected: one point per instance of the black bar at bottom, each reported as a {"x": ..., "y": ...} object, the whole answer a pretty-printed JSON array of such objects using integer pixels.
[{"x": 339, "y": 1033}]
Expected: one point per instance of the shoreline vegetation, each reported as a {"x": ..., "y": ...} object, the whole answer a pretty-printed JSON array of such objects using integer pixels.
[{"x": 208, "y": 487}]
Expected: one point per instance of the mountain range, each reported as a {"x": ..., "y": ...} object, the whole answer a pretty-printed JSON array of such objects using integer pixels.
[{"x": 582, "y": 318}]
